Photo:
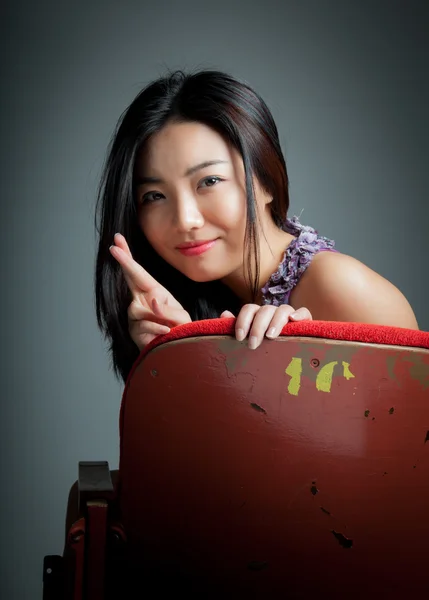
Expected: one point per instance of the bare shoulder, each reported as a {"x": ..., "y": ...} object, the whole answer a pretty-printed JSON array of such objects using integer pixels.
[{"x": 337, "y": 287}]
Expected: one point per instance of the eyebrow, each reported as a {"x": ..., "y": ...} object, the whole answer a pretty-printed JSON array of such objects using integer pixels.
[{"x": 208, "y": 163}]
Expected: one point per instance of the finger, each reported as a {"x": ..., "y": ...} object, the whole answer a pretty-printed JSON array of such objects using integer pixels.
[
  {"x": 302, "y": 314},
  {"x": 137, "y": 312},
  {"x": 279, "y": 320},
  {"x": 142, "y": 327},
  {"x": 169, "y": 317},
  {"x": 227, "y": 314},
  {"x": 246, "y": 317},
  {"x": 143, "y": 332},
  {"x": 169, "y": 314},
  {"x": 120, "y": 241},
  {"x": 260, "y": 325},
  {"x": 138, "y": 279}
]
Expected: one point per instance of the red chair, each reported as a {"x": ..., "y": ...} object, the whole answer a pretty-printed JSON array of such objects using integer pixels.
[{"x": 298, "y": 470}]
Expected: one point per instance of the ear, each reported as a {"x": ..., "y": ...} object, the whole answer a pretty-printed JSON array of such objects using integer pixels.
[
  {"x": 263, "y": 196},
  {"x": 266, "y": 198}
]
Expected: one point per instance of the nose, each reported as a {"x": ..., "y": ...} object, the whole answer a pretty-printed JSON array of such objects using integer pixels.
[{"x": 188, "y": 214}]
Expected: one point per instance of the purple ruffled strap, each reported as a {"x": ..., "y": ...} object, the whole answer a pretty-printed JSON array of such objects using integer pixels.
[{"x": 297, "y": 258}]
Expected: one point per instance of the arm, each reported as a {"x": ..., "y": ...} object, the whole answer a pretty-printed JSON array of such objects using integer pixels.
[{"x": 337, "y": 287}]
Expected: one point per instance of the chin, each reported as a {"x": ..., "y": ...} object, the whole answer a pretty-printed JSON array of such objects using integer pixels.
[{"x": 203, "y": 276}]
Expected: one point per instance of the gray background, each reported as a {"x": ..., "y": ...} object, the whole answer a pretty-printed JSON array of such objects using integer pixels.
[{"x": 348, "y": 85}]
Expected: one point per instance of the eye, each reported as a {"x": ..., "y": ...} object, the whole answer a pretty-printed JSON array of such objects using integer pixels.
[
  {"x": 210, "y": 181},
  {"x": 151, "y": 197}
]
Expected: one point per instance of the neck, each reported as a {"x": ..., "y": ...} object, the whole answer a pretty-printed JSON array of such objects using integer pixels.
[{"x": 272, "y": 247}]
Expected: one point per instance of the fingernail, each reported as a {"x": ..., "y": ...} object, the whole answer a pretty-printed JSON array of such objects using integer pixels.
[
  {"x": 116, "y": 234},
  {"x": 271, "y": 332},
  {"x": 253, "y": 342},
  {"x": 239, "y": 334},
  {"x": 296, "y": 316}
]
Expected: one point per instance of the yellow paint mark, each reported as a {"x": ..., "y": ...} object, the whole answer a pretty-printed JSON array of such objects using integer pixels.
[
  {"x": 346, "y": 371},
  {"x": 324, "y": 377},
  {"x": 294, "y": 370}
]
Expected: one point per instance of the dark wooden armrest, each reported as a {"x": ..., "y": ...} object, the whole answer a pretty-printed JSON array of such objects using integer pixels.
[
  {"x": 73, "y": 503},
  {"x": 94, "y": 482}
]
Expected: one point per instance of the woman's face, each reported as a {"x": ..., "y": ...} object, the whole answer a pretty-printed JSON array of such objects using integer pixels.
[{"x": 191, "y": 190}]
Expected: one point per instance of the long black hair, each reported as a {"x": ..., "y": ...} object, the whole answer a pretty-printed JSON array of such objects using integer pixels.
[{"x": 239, "y": 114}]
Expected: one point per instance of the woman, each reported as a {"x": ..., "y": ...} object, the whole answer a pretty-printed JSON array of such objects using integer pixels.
[{"x": 193, "y": 225}]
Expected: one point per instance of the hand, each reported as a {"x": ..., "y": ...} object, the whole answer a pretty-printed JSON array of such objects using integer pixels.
[
  {"x": 153, "y": 309},
  {"x": 259, "y": 321}
]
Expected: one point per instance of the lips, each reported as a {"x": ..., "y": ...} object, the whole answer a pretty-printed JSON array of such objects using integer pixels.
[
  {"x": 194, "y": 244},
  {"x": 196, "y": 247}
]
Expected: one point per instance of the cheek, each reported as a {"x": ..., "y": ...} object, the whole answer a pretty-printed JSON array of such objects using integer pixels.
[
  {"x": 230, "y": 210},
  {"x": 152, "y": 228}
]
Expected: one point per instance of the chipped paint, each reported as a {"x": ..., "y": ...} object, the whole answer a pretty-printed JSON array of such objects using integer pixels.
[
  {"x": 324, "y": 377},
  {"x": 324, "y": 353},
  {"x": 419, "y": 370},
  {"x": 233, "y": 353},
  {"x": 258, "y": 408},
  {"x": 294, "y": 370},
  {"x": 418, "y": 365},
  {"x": 314, "y": 490},
  {"x": 344, "y": 541},
  {"x": 390, "y": 365},
  {"x": 346, "y": 371}
]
